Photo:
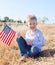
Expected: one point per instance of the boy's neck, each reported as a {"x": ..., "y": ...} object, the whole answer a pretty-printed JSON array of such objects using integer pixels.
[{"x": 32, "y": 31}]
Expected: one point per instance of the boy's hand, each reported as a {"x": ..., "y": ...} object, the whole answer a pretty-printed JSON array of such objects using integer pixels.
[
  {"x": 30, "y": 43},
  {"x": 18, "y": 34}
]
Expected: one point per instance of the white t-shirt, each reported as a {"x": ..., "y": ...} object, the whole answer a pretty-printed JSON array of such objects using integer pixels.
[{"x": 36, "y": 37}]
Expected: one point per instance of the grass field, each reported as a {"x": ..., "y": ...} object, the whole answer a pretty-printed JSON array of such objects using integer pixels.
[{"x": 10, "y": 55}]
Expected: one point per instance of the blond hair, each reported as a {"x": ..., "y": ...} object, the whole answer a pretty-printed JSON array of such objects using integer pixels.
[{"x": 30, "y": 17}]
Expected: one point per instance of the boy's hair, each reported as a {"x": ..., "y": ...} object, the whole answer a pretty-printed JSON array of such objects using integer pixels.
[{"x": 31, "y": 17}]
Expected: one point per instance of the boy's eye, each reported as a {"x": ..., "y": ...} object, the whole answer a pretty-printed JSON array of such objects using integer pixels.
[
  {"x": 33, "y": 23},
  {"x": 30, "y": 24}
]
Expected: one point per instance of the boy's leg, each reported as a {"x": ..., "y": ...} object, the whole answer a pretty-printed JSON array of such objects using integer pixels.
[
  {"x": 22, "y": 45},
  {"x": 34, "y": 51}
]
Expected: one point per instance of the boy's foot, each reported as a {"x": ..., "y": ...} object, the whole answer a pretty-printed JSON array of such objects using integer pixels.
[{"x": 24, "y": 58}]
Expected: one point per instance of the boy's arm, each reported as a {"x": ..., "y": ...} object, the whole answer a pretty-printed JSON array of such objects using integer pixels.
[
  {"x": 41, "y": 40},
  {"x": 29, "y": 42}
]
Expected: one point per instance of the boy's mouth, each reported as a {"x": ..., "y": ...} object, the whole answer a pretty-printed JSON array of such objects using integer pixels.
[{"x": 32, "y": 27}]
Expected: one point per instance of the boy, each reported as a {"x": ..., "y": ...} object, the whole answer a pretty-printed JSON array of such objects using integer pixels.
[{"x": 34, "y": 40}]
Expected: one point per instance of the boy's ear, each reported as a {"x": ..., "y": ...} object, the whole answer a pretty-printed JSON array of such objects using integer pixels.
[{"x": 27, "y": 25}]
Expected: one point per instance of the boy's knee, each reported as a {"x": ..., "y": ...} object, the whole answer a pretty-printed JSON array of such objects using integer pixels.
[{"x": 35, "y": 50}]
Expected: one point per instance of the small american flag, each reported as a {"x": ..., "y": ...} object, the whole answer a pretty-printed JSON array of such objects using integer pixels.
[{"x": 7, "y": 34}]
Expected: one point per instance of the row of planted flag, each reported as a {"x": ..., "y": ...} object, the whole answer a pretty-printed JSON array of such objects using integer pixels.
[{"x": 7, "y": 35}]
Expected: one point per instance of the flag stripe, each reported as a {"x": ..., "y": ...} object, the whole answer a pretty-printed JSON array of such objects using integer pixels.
[
  {"x": 7, "y": 38},
  {"x": 10, "y": 37}
]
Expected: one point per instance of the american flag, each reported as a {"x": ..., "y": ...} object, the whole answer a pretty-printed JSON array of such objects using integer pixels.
[{"x": 7, "y": 34}]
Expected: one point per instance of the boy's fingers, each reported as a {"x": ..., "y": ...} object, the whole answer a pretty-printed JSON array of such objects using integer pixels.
[{"x": 18, "y": 34}]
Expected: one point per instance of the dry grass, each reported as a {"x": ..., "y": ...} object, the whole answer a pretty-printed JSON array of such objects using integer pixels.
[{"x": 10, "y": 55}]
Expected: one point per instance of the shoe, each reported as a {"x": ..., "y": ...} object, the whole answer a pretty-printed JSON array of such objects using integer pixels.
[{"x": 24, "y": 58}]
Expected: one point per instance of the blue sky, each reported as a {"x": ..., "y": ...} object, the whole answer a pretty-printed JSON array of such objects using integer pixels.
[{"x": 19, "y": 9}]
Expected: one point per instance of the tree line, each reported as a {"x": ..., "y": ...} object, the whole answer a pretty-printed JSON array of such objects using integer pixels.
[{"x": 7, "y": 19}]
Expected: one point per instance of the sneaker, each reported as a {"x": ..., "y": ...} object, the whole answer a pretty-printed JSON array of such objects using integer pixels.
[{"x": 24, "y": 58}]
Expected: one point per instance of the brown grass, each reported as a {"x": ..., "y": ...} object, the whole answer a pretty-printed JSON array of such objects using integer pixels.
[{"x": 10, "y": 55}]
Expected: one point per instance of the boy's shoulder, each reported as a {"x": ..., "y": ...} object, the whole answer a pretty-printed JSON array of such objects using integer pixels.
[{"x": 38, "y": 30}]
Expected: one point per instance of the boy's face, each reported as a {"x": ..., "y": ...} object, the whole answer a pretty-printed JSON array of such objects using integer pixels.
[{"x": 32, "y": 25}]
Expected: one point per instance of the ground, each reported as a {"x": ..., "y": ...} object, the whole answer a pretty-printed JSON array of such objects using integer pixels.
[{"x": 10, "y": 55}]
